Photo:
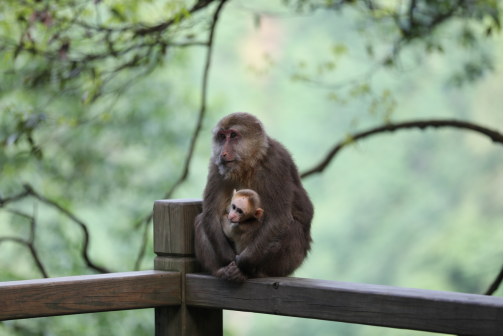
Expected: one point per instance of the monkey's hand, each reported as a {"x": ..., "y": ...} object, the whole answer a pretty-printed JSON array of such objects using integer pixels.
[
  {"x": 234, "y": 274},
  {"x": 221, "y": 273}
]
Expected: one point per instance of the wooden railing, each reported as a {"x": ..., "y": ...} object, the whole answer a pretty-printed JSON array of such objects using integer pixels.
[{"x": 188, "y": 303}]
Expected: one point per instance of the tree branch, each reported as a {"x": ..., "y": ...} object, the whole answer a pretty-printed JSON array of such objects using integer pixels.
[
  {"x": 161, "y": 27},
  {"x": 496, "y": 283},
  {"x": 146, "y": 221},
  {"x": 493, "y": 135},
  {"x": 30, "y": 243},
  {"x": 417, "y": 29},
  {"x": 138, "y": 29},
  {"x": 4, "y": 201},
  {"x": 33, "y": 252},
  {"x": 85, "y": 247}
]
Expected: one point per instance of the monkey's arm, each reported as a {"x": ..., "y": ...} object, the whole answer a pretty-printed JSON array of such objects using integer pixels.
[
  {"x": 215, "y": 202},
  {"x": 217, "y": 238},
  {"x": 277, "y": 220},
  {"x": 265, "y": 243}
]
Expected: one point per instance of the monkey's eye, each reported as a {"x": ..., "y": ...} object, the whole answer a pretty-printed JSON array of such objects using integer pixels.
[
  {"x": 233, "y": 135},
  {"x": 240, "y": 211},
  {"x": 222, "y": 136},
  {"x": 233, "y": 207}
]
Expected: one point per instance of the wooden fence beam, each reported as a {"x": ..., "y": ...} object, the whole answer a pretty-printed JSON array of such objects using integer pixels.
[
  {"x": 88, "y": 294},
  {"x": 407, "y": 308},
  {"x": 174, "y": 246}
]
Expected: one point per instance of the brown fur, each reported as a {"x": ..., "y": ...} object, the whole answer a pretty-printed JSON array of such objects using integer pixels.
[{"x": 264, "y": 165}]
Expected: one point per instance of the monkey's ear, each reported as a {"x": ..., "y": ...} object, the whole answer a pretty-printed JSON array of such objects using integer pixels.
[
  {"x": 234, "y": 192},
  {"x": 258, "y": 213}
]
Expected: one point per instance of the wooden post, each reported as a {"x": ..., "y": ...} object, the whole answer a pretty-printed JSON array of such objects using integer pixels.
[{"x": 174, "y": 246}]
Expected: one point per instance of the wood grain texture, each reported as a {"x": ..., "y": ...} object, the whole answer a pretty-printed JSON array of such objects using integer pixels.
[
  {"x": 183, "y": 320},
  {"x": 177, "y": 264},
  {"x": 188, "y": 321},
  {"x": 174, "y": 226},
  {"x": 88, "y": 294},
  {"x": 174, "y": 245},
  {"x": 415, "y": 309}
]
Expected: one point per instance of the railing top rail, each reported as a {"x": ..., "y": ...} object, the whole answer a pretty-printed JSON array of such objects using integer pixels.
[
  {"x": 74, "y": 278},
  {"x": 386, "y": 306},
  {"x": 88, "y": 294}
]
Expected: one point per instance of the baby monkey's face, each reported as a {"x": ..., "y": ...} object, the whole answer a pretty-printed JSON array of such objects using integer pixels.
[{"x": 240, "y": 209}]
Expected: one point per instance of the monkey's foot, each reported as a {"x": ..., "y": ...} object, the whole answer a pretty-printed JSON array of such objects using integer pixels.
[{"x": 234, "y": 274}]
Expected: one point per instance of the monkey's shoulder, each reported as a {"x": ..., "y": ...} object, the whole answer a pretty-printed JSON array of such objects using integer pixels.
[
  {"x": 277, "y": 150},
  {"x": 279, "y": 161}
]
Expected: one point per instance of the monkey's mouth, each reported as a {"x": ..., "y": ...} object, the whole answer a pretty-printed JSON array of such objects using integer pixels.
[{"x": 227, "y": 162}]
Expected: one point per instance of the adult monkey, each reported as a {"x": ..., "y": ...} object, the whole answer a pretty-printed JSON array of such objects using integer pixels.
[{"x": 244, "y": 157}]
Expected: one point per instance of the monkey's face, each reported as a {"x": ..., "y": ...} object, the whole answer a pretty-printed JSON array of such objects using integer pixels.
[
  {"x": 239, "y": 142},
  {"x": 240, "y": 209},
  {"x": 227, "y": 143},
  {"x": 228, "y": 151}
]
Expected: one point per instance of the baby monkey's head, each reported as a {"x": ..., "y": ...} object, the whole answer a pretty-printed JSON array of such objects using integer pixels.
[{"x": 245, "y": 204}]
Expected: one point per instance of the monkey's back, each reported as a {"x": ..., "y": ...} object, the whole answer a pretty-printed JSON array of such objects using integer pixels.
[{"x": 282, "y": 193}]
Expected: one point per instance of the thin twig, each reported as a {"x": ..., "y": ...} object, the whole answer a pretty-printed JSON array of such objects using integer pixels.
[
  {"x": 146, "y": 221},
  {"x": 339, "y": 85},
  {"x": 493, "y": 135},
  {"x": 19, "y": 213}
]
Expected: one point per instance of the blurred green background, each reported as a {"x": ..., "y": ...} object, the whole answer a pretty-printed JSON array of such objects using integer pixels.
[{"x": 413, "y": 208}]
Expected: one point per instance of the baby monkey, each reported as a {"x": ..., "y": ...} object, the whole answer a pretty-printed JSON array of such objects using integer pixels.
[{"x": 245, "y": 217}]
